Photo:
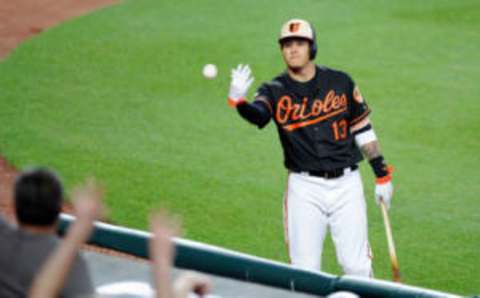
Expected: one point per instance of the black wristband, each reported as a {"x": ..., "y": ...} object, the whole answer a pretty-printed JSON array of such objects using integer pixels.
[{"x": 379, "y": 166}]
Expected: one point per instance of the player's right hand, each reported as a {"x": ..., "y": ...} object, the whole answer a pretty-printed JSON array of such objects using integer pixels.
[
  {"x": 241, "y": 81},
  {"x": 384, "y": 192}
]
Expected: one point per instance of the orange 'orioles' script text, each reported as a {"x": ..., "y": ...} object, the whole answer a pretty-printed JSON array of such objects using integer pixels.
[{"x": 288, "y": 112}]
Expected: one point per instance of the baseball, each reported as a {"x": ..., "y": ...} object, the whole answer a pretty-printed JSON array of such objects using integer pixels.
[{"x": 210, "y": 71}]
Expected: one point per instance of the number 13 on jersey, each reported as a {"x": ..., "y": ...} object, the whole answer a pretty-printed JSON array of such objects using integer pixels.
[{"x": 340, "y": 129}]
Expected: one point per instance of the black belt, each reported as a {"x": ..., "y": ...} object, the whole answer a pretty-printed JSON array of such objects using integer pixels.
[{"x": 329, "y": 174}]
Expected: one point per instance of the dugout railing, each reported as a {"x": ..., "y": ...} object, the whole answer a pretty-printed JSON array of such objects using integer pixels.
[{"x": 227, "y": 263}]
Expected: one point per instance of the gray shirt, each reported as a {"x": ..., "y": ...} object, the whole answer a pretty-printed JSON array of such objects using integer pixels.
[{"x": 21, "y": 256}]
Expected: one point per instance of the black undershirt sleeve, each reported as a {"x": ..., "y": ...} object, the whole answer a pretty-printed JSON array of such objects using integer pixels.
[{"x": 256, "y": 113}]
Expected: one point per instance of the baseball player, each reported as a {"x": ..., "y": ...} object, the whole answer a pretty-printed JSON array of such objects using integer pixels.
[{"x": 323, "y": 125}]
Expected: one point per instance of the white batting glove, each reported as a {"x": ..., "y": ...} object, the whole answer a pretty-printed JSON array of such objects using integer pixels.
[
  {"x": 242, "y": 79},
  {"x": 384, "y": 191}
]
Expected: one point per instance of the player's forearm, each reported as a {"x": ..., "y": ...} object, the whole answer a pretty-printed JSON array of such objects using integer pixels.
[
  {"x": 383, "y": 187},
  {"x": 372, "y": 153},
  {"x": 371, "y": 150},
  {"x": 255, "y": 113},
  {"x": 367, "y": 141}
]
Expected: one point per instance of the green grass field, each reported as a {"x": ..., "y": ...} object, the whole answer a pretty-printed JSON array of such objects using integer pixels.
[{"x": 119, "y": 94}]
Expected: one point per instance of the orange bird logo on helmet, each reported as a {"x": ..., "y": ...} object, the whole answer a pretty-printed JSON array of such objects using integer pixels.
[{"x": 294, "y": 27}]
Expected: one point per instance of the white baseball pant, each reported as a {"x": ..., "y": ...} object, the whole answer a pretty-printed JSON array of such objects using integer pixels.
[{"x": 312, "y": 206}]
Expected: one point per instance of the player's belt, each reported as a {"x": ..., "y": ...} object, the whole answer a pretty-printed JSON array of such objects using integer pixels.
[{"x": 330, "y": 174}]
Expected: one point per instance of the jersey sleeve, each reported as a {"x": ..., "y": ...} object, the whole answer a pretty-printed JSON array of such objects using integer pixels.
[
  {"x": 260, "y": 111},
  {"x": 359, "y": 109},
  {"x": 264, "y": 95}
]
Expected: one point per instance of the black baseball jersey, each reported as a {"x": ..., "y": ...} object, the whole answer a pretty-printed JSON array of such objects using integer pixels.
[{"x": 313, "y": 118}]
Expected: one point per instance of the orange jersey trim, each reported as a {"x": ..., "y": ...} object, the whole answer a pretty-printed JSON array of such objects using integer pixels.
[
  {"x": 234, "y": 103},
  {"x": 294, "y": 126},
  {"x": 360, "y": 118}
]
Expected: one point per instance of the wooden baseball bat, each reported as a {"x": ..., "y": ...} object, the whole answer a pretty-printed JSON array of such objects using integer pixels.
[{"x": 391, "y": 244}]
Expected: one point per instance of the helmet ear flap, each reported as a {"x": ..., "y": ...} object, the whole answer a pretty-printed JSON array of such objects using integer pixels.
[{"x": 313, "y": 45}]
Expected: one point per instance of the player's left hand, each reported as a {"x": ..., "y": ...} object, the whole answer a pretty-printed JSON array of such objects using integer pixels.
[{"x": 384, "y": 191}]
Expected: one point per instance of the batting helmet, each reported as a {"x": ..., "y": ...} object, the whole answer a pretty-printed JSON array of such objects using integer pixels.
[{"x": 298, "y": 28}]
